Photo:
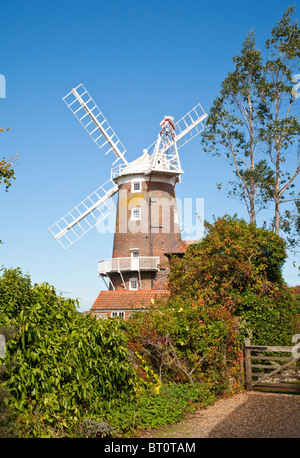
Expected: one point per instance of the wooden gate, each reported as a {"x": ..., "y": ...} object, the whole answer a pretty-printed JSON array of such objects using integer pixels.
[{"x": 277, "y": 370}]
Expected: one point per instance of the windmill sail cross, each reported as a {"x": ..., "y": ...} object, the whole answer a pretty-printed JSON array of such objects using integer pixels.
[{"x": 165, "y": 159}]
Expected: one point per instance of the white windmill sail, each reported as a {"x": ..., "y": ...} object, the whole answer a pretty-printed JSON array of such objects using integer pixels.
[
  {"x": 93, "y": 209},
  {"x": 92, "y": 119},
  {"x": 190, "y": 125},
  {"x": 98, "y": 205}
]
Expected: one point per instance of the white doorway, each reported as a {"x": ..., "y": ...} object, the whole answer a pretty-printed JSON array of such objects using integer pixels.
[{"x": 135, "y": 259}]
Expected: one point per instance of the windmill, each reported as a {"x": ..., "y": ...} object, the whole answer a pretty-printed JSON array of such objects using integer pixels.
[{"x": 147, "y": 223}]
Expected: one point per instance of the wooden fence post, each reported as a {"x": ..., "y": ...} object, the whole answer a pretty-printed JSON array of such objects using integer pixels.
[{"x": 248, "y": 367}]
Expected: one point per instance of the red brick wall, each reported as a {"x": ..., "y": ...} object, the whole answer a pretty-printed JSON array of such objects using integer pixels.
[
  {"x": 130, "y": 234},
  {"x": 145, "y": 279}
]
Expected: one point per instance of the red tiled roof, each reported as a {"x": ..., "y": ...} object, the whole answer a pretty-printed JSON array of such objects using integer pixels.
[
  {"x": 123, "y": 300},
  {"x": 181, "y": 247},
  {"x": 161, "y": 282},
  {"x": 295, "y": 289}
]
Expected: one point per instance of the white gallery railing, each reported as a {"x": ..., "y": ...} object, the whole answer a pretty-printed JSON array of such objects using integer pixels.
[{"x": 130, "y": 263}]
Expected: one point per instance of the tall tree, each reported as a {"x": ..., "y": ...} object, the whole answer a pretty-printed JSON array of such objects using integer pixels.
[
  {"x": 280, "y": 116},
  {"x": 232, "y": 130},
  {"x": 254, "y": 123}
]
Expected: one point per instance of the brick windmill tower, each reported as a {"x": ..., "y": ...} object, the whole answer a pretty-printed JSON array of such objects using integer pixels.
[{"x": 147, "y": 226}]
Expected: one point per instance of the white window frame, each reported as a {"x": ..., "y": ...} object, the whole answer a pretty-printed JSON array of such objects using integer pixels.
[
  {"x": 135, "y": 182},
  {"x": 133, "y": 279},
  {"x": 117, "y": 314},
  {"x": 133, "y": 252},
  {"x": 135, "y": 217}
]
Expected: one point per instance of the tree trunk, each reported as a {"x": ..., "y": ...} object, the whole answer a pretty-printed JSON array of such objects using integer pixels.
[
  {"x": 277, "y": 216},
  {"x": 252, "y": 212}
]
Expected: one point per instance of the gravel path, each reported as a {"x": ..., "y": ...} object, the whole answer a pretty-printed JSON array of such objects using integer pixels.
[{"x": 245, "y": 415}]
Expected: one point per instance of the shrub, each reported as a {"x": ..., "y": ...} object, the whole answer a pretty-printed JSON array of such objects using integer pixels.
[
  {"x": 186, "y": 341},
  {"x": 239, "y": 266},
  {"x": 233, "y": 257},
  {"x": 68, "y": 364},
  {"x": 295, "y": 290},
  {"x": 92, "y": 429},
  {"x": 8, "y": 426},
  {"x": 16, "y": 294},
  {"x": 265, "y": 320},
  {"x": 151, "y": 410}
]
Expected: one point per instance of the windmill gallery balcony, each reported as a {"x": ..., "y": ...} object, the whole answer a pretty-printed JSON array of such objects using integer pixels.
[{"x": 138, "y": 263}]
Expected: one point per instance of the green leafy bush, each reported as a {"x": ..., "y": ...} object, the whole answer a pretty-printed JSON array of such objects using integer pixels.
[
  {"x": 186, "y": 341},
  {"x": 16, "y": 294},
  {"x": 265, "y": 320},
  {"x": 238, "y": 266},
  {"x": 8, "y": 427},
  {"x": 295, "y": 290},
  {"x": 232, "y": 258},
  {"x": 68, "y": 364}
]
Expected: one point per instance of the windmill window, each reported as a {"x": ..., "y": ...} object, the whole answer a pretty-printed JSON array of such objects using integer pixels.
[
  {"x": 136, "y": 186},
  {"x": 135, "y": 253},
  {"x": 133, "y": 283},
  {"x": 136, "y": 214}
]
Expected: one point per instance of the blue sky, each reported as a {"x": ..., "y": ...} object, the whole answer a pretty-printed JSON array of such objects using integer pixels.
[{"x": 140, "y": 60}]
